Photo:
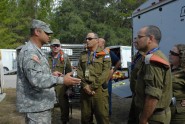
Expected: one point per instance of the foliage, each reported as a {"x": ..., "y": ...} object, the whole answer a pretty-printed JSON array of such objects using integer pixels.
[
  {"x": 15, "y": 20},
  {"x": 71, "y": 20},
  {"x": 108, "y": 18}
]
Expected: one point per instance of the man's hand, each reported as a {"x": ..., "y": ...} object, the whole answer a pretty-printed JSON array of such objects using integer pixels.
[
  {"x": 57, "y": 73},
  {"x": 88, "y": 90},
  {"x": 68, "y": 80}
]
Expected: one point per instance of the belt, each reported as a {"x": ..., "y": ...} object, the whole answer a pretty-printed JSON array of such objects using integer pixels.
[{"x": 161, "y": 111}]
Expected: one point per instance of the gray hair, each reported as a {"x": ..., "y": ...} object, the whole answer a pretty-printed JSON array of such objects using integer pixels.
[{"x": 155, "y": 31}]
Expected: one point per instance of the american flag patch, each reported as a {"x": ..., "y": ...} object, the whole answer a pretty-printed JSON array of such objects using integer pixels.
[{"x": 107, "y": 56}]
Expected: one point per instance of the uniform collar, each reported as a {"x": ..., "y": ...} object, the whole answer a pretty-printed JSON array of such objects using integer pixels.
[
  {"x": 37, "y": 48},
  {"x": 99, "y": 49}
]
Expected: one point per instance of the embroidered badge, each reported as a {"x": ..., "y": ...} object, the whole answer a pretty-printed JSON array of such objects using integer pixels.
[
  {"x": 107, "y": 56},
  {"x": 35, "y": 58}
]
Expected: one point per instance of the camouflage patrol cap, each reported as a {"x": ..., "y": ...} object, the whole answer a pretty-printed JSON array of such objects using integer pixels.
[
  {"x": 42, "y": 25},
  {"x": 55, "y": 41}
]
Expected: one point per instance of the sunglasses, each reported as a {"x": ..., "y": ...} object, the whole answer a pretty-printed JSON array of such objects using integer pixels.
[
  {"x": 89, "y": 38},
  {"x": 174, "y": 53},
  {"x": 55, "y": 45}
]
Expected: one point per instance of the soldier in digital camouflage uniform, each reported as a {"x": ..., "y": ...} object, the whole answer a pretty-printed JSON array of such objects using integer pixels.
[
  {"x": 154, "y": 86},
  {"x": 59, "y": 61},
  {"x": 93, "y": 69},
  {"x": 177, "y": 60},
  {"x": 35, "y": 82}
]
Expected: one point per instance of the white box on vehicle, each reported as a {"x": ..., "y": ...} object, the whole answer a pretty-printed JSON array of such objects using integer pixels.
[
  {"x": 8, "y": 59},
  {"x": 168, "y": 15},
  {"x": 124, "y": 53}
]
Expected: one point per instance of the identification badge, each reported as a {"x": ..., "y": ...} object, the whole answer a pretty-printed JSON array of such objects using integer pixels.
[{"x": 87, "y": 73}]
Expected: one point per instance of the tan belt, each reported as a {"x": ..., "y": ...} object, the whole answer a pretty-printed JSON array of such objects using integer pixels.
[{"x": 161, "y": 111}]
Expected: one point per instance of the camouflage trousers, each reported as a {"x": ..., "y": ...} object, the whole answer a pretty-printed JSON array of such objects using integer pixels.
[{"x": 38, "y": 117}]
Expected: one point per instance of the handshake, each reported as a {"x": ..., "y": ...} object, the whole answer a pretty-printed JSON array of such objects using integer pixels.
[{"x": 66, "y": 79}]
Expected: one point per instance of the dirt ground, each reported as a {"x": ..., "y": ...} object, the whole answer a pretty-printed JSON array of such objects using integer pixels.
[{"x": 9, "y": 115}]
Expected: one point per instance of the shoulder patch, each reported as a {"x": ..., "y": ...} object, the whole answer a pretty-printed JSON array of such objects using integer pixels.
[
  {"x": 107, "y": 56},
  {"x": 35, "y": 58}
]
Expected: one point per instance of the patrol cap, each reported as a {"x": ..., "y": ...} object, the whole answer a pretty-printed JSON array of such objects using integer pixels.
[
  {"x": 55, "y": 41},
  {"x": 42, "y": 25}
]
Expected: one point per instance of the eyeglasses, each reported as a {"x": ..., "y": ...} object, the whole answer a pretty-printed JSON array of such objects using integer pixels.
[
  {"x": 174, "y": 53},
  {"x": 55, "y": 45},
  {"x": 89, "y": 38},
  {"x": 140, "y": 36}
]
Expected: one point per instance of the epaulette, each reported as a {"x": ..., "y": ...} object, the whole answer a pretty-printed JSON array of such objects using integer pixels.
[
  {"x": 151, "y": 58},
  {"x": 103, "y": 52}
]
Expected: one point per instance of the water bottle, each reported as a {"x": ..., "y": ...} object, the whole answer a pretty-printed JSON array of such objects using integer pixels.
[
  {"x": 75, "y": 76},
  {"x": 75, "y": 73}
]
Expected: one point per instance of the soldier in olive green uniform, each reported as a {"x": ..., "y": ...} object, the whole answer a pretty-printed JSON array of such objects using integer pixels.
[
  {"x": 177, "y": 60},
  {"x": 94, "y": 71},
  {"x": 136, "y": 64},
  {"x": 153, "y": 87},
  {"x": 59, "y": 61}
]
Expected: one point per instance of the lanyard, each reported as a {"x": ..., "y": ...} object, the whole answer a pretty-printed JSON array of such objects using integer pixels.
[
  {"x": 138, "y": 56},
  {"x": 152, "y": 51},
  {"x": 89, "y": 54},
  {"x": 54, "y": 62}
]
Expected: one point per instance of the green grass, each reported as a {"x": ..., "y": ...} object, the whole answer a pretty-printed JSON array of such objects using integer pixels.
[{"x": 9, "y": 115}]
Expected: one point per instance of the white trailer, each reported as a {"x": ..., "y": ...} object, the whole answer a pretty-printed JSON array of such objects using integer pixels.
[
  {"x": 121, "y": 83},
  {"x": 168, "y": 15},
  {"x": 9, "y": 59},
  {"x": 124, "y": 54}
]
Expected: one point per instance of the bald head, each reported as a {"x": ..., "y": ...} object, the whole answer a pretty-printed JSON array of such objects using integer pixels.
[{"x": 101, "y": 43}]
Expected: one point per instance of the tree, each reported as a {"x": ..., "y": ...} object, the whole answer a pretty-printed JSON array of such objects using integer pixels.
[
  {"x": 71, "y": 20},
  {"x": 11, "y": 26},
  {"x": 16, "y": 16},
  {"x": 109, "y": 18}
]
